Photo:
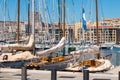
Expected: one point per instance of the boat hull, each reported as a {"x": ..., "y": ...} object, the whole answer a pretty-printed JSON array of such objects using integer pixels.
[{"x": 12, "y": 64}]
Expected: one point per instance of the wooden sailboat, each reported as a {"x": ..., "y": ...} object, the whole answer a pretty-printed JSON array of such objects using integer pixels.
[
  {"x": 93, "y": 65},
  {"x": 17, "y": 46},
  {"x": 18, "y": 58},
  {"x": 53, "y": 62}
]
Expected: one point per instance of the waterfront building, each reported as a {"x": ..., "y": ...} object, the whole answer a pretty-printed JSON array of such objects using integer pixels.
[
  {"x": 8, "y": 31},
  {"x": 69, "y": 33},
  {"x": 106, "y": 34},
  {"x": 111, "y": 21}
]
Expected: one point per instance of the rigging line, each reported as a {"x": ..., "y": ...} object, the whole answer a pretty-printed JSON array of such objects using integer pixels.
[
  {"x": 1, "y": 8},
  {"x": 5, "y": 34},
  {"x": 41, "y": 23},
  {"x": 8, "y": 12},
  {"x": 47, "y": 24},
  {"x": 45, "y": 15},
  {"x": 53, "y": 19},
  {"x": 102, "y": 22},
  {"x": 90, "y": 12},
  {"x": 10, "y": 20},
  {"x": 73, "y": 2},
  {"x": 48, "y": 14},
  {"x": 73, "y": 21},
  {"x": 81, "y": 35},
  {"x": 59, "y": 17},
  {"x": 102, "y": 9},
  {"x": 60, "y": 12},
  {"x": 67, "y": 27},
  {"x": 16, "y": 12},
  {"x": 25, "y": 9},
  {"x": 44, "y": 23},
  {"x": 36, "y": 6},
  {"x": 51, "y": 23},
  {"x": 40, "y": 14}
]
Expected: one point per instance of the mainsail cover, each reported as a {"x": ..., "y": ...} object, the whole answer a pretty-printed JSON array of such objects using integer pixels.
[
  {"x": 59, "y": 46},
  {"x": 94, "y": 49},
  {"x": 28, "y": 46}
]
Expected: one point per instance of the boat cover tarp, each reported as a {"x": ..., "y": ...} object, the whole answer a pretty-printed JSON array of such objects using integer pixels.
[
  {"x": 18, "y": 56},
  {"x": 90, "y": 50},
  {"x": 17, "y": 46},
  {"x": 59, "y": 46}
]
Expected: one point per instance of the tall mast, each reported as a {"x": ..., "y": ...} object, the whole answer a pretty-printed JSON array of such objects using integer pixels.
[
  {"x": 96, "y": 2},
  {"x": 33, "y": 17},
  {"x": 33, "y": 26},
  {"x": 60, "y": 17},
  {"x": 28, "y": 17},
  {"x": 63, "y": 22},
  {"x": 18, "y": 30}
]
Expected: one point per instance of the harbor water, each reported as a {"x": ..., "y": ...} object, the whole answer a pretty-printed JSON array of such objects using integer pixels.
[{"x": 114, "y": 55}]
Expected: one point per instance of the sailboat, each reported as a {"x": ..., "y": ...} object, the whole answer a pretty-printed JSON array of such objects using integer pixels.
[
  {"x": 47, "y": 60},
  {"x": 21, "y": 54},
  {"x": 91, "y": 64}
]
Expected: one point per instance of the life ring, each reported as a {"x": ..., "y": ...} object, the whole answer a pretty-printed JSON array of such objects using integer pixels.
[{"x": 5, "y": 57}]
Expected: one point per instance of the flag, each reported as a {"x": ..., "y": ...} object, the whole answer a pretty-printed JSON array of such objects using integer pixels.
[{"x": 83, "y": 20}]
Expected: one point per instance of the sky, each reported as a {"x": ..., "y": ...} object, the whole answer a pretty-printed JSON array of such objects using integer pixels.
[{"x": 106, "y": 9}]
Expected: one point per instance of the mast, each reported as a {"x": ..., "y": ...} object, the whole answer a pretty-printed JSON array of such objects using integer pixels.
[
  {"x": 33, "y": 28},
  {"x": 63, "y": 22},
  {"x": 96, "y": 2},
  {"x": 28, "y": 17},
  {"x": 18, "y": 30},
  {"x": 60, "y": 17},
  {"x": 33, "y": 17}
]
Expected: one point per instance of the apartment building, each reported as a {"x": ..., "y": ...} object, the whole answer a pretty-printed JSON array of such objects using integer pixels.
[
  {"x": 8, "y": 30},
  {"x": 111, "y": 21},
  {"x": 106, "y": 34}
]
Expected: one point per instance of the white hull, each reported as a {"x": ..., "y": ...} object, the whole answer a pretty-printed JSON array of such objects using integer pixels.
[{"x": 106, "y": 65}]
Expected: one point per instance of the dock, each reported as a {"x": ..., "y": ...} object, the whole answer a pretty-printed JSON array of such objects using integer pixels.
[
  {"x": 15, "y": 74},
  {"x": 114, "y": 71}
]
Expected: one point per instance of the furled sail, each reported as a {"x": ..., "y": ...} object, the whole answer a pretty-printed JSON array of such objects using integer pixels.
[
  {"x": 59, "y": 46},
  {"x": 29, "y": 46}
]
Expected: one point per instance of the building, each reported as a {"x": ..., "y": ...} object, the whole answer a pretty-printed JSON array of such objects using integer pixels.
[
  {"x": 106, "y": 34},
  {"x": 111, "y": 21},
  {"x": 8, "y": 30},
  {"x": 69, "y": 33}
]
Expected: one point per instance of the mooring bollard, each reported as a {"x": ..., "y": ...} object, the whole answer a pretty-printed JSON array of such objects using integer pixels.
[
  {"x": 24, "y": 73},
  {"x": 119, "y": 75},
  {"x": 53, "y": 74},
  {"x": 85, "y": 74}
]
